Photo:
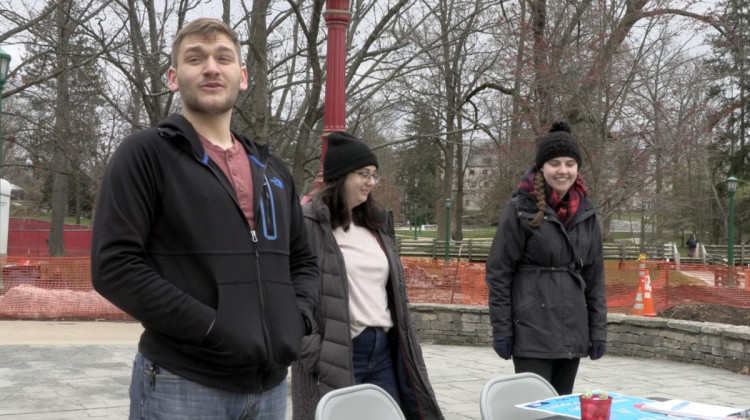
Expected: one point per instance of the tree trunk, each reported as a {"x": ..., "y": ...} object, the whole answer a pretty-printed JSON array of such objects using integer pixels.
[
  {"x": 226, "y": 6},
  {"x": 59, "y": 203},
  {"x": 140, "y": 59},
  {"x": 449, "y": 84},
  {"x": 151, "y": 61},
  {"x": 258, "y": 66},
  {"x": 439, "y": 204},
  {"x": 606, "y": 226},
  {"x": 542, "y": 73},
  {"x": 458, "y": 206},
  {"x": 515, "y": 120},
  {"x": 61, "y": 133},
  {"x": 447, "y": 184},
  {"x": 313, "y": 113},
  {"x": 79, "y": 186}
]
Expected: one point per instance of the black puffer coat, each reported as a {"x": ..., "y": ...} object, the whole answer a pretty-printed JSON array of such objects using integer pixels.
[
  {"x": 546, "y": 284},
  {"x": 326, "y": 360}
]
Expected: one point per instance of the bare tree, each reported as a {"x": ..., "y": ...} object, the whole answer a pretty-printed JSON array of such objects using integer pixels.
[
  {"x": 489, "y": 71},
  {"x": 453, "y": 63}
]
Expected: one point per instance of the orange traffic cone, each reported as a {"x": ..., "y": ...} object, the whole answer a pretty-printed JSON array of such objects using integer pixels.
[
  {"x": 648, "y": 299},
  {"x": 638, "y": 305}
]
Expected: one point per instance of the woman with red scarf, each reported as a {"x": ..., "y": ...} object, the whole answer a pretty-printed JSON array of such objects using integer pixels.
[{"x": 545, "y": 270}]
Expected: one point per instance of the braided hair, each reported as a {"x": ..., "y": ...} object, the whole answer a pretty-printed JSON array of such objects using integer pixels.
[{"x": 541, "y": 198}]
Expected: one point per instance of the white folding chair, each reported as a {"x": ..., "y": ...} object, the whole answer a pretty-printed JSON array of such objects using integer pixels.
[
  {"x": 360, "y": 402},
  {"x": 500, "y": 396}
]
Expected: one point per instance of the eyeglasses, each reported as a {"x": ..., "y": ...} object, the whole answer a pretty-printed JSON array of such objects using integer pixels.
[{"x": 365, "y": 176}]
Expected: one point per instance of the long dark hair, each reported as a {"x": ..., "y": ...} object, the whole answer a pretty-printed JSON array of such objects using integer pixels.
[{"x": 332, "y": 195}]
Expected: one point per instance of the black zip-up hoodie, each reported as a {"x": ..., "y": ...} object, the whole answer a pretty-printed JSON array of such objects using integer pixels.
[{"x": 222, "y": 304}]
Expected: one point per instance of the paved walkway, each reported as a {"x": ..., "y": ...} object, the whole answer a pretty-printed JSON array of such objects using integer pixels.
[{"x": 76, "y": 370}]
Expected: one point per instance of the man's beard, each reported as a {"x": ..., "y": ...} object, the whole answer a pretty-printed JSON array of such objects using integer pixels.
[{"x": 192, "y": 102}]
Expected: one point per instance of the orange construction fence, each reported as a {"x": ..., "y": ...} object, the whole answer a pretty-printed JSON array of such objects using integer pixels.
[
  {"x": 51, "y": 288},
  {"x": 463, "y": 283},
  {"x": 60, "y": 288}
]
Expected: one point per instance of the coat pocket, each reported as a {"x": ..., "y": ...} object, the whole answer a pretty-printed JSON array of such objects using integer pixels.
[
  {"x": 285, "y": 320},
  {"x": 237, "y": 333}
]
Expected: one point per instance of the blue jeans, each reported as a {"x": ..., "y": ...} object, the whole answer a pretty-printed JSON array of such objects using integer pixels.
[
  {"x": 164, "y": 395},
  {"x": 371, "y": 358}
]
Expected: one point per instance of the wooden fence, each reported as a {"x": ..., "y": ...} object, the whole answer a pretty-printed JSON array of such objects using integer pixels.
[
  {"x": 477, "y": 250},
  {"x": 625, "y": 251},
  {"x": 469, "y": 250},
  {"x": 717, "y": 254}
]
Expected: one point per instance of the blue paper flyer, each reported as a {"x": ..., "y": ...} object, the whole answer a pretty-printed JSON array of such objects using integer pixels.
[{"x": 623, "y": 407}]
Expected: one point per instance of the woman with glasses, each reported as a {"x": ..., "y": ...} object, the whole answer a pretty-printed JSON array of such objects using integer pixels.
[{"x": 366, "y": 334}]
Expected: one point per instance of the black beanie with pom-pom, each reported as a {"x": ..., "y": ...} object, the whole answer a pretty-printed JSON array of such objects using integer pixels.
[{"x": 559, "y": 141}]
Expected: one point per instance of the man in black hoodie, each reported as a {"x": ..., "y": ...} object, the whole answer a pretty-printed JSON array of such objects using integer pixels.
[{"x": 199, "y": 235}]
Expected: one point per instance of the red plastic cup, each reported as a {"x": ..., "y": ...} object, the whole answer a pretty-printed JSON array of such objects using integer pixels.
[{"x": 595, "y": 408}]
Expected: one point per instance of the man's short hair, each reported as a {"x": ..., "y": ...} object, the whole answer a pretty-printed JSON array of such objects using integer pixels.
[{"x": 206, "y": 28}]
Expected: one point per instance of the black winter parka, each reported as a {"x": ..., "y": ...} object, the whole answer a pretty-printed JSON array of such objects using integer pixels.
[
  {"x": 326, "y": 360},
  {"x": 546, "y": 284},
  {"x": 173, "y": 249}
]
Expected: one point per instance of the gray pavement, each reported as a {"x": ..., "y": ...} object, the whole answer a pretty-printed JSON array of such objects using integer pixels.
[{"x": 77, "y": 370}]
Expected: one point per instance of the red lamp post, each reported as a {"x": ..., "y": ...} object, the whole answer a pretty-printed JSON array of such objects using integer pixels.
[{"x": 337, "y": 19}]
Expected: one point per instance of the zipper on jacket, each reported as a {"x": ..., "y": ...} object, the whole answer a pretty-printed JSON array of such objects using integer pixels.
[
  {"x": 261, "y": 290},
  {"x": 254, "y": 237}
]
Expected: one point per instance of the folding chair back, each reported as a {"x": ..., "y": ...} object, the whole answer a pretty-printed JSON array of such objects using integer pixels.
[
  {"x": 358, "y": 402},
  {"x": 500, "y": 396}
]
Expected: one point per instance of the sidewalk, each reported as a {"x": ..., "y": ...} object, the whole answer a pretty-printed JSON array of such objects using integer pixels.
[{"x": 74, "y": 370}]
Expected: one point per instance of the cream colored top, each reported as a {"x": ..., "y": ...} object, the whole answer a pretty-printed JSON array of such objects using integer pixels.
[{"x": 367, "y": 276}]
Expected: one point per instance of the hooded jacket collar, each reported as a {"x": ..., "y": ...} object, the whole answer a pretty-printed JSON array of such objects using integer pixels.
[{"x": 177, "y": 127}]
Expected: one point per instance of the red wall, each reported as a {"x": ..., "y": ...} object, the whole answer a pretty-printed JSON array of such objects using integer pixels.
[{"x": 29, "y": 237}]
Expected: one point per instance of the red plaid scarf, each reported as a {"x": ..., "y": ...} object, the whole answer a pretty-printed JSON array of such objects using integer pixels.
[{"x": 565, "y": 207}]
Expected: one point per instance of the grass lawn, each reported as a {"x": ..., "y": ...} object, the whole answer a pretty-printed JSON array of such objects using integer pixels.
[
  {"x": 629, "y": 276},
  {"x": 618, "y": 236},
  {"x": 48, "y": 218},
  {"x": 623, "y": 235}
]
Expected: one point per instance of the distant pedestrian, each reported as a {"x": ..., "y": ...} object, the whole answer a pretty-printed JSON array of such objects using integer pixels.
[
  {"x": 692, "y": 246},
  {"x": 545, "y": 269}
]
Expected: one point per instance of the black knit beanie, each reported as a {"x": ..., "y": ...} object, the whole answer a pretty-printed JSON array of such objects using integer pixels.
[
  {"x": 559, "y": 141},
  {"x": 345, "y": 154}
]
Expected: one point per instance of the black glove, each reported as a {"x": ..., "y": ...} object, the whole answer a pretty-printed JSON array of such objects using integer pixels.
[
  {"x": 597, "y": 348},
  {"x": 503, "y": 346}
]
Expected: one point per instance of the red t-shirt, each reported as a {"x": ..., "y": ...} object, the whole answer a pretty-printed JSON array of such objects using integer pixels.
[{"x": 235, "y": 164}]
